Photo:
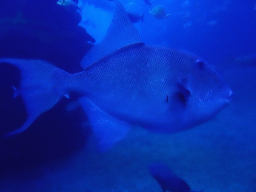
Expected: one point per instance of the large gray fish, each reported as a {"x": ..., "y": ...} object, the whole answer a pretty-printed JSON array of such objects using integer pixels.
[{"x": 126, "y": 82}]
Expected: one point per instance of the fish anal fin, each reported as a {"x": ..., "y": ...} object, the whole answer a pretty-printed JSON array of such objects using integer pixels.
[{"x": 107, "y": 129}]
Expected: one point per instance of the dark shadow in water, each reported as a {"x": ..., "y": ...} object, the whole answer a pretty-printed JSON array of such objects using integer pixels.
[
  {"x": 43, "y": 30},
  {"x": 12, "y": 110}
]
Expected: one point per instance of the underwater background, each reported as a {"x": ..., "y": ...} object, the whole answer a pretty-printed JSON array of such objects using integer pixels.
[{"x": 57, "y": 152}]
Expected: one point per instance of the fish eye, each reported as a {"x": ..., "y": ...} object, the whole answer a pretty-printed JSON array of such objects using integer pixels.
[{"x": 200, "y": 64}]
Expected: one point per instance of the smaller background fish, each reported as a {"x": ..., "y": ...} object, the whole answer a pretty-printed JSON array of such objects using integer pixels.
[
  {"x": 148, "y": 2},
  {"x": 158, "y": 12},
  {"x": 69, "y": 5},
  {"x": 135, "y": 17},
  {"x": 167, "y": 179}
]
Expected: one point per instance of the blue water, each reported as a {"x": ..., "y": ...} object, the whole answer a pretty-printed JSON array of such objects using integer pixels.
[{"x": 58, "y": 152}]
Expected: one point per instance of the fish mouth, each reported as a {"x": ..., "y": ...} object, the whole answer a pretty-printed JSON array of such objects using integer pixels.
[
  {"x": 230, "y": 93},
  {"x": 227, "y": 100}
]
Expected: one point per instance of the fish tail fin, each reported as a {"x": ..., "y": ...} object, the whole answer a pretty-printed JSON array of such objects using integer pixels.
[{"x": 40, "y": 87}]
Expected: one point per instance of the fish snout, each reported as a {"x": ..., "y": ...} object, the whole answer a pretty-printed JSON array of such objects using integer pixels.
[
  {"x": 230, "y": 93},
  {"x": 228, "y": 97}
]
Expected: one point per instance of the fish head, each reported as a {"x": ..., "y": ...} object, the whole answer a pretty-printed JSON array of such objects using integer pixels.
[{"x": 200, "y": 93}]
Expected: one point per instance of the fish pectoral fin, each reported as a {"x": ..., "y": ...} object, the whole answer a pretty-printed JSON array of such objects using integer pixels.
[{"x": 107, "y": 129}]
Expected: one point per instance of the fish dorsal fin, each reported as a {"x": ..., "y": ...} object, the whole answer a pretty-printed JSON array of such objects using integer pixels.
[{"x": 120, "y": 33}]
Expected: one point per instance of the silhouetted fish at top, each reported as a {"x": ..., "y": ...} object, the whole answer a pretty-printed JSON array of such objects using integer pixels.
[
  {"x": 69, "y": 5},
  {"x": 167, "y": 179},
  {"x": 126, "y": 82},
  {"x": 148, "y": 2},
  {"x": 158, "y": 12},
  {"x": 135, "y": 17}
]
